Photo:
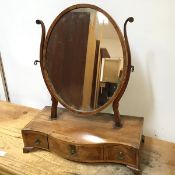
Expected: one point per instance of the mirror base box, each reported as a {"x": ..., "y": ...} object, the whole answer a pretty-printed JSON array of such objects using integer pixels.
[{"x": 86, "y": 139}]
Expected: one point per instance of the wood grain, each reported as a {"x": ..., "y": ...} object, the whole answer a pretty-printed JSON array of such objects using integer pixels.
[
  {"x": 89, "y": 139},
  {"x": 75, "y": 128},
  {"x": 157, "y": 156}
]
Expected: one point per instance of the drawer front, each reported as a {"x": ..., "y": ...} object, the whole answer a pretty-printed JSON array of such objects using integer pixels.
[
  {"x": 80, "y": 153},
  {"x": 35, "y": 139},
  {"x": 120, "y": 154},
  {"x": 90, "y": 153}
]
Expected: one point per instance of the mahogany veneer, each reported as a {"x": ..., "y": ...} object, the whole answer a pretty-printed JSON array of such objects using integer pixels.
[{"x": 86, "y": 139}]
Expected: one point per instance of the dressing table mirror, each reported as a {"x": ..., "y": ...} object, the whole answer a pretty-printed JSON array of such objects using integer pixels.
[{"x": 86, "y": 63}]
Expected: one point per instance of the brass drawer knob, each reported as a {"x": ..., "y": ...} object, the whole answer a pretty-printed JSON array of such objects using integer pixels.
[
  {"x": 120, "y": 155},
  {"x": 37, "y": 141},
  {"x": 72, "y": 149}
]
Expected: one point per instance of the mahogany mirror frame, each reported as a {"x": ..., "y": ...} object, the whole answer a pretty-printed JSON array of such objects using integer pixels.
[{"x": 125, "y": 74}]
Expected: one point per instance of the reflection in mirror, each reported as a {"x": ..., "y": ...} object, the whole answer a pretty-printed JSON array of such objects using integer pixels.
[{"x": 84, "y": 59}]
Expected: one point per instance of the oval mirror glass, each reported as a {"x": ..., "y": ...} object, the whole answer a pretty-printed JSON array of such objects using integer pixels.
[{"x": 84, "y": 59}]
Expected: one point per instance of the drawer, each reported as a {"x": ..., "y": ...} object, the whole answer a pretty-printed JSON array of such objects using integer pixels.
[
  {"x": 90, "y": 152},
  {"x": 85, "y": 153},
  {"x": 120, "y": 154},
  {"x": 35, "y": 139}
]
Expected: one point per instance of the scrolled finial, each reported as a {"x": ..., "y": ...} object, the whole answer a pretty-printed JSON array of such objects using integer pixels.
[
  {"x": 131, "y": 19},
  {"x": 38, "y": 21}
]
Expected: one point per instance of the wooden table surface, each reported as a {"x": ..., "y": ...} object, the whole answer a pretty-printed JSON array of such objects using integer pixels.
[{"x": 158, "y": 157}]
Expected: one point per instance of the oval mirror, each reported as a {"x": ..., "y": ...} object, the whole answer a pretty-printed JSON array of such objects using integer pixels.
[{"x": 84, "y": 59}]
